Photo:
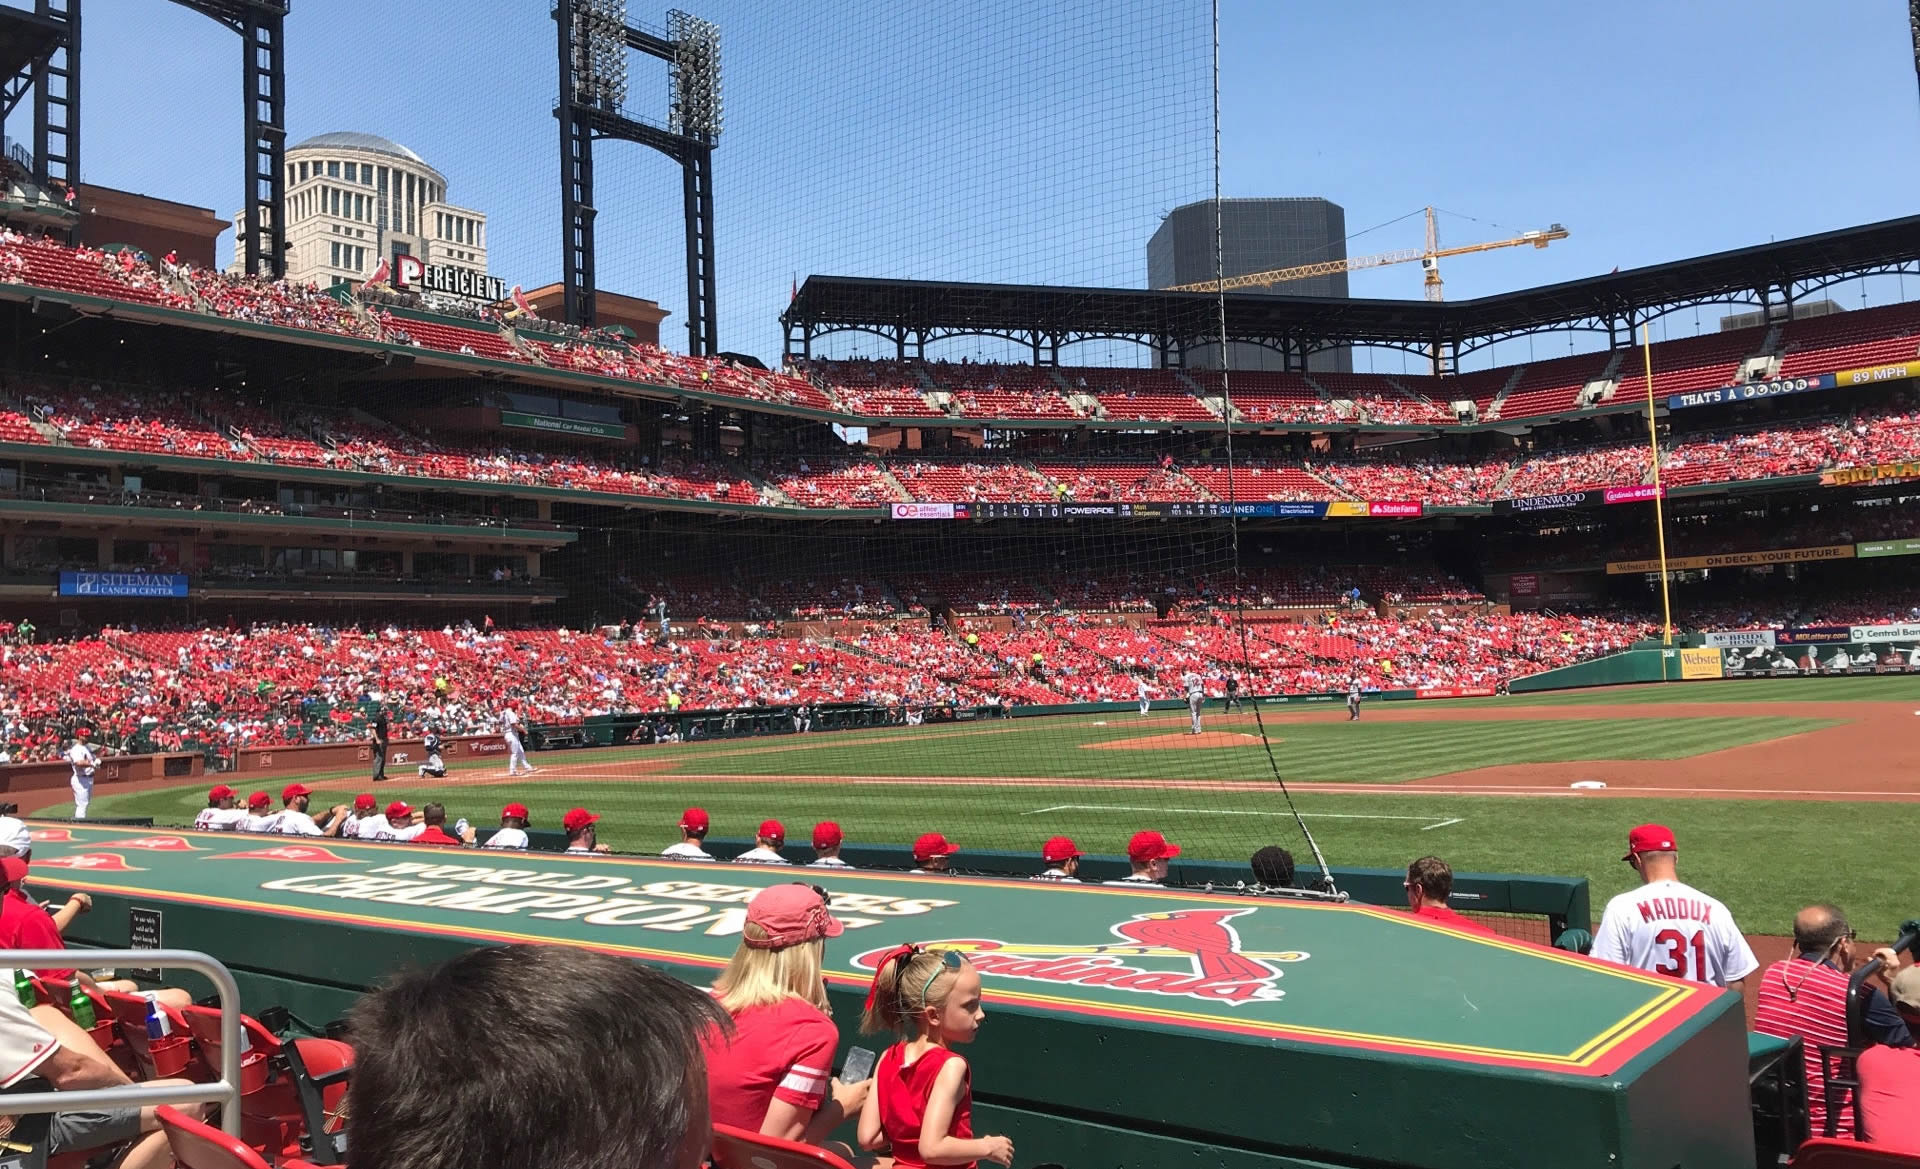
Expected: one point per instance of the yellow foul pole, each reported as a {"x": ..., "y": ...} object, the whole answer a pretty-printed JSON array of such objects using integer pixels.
[{"x": 1659, "y": 504}]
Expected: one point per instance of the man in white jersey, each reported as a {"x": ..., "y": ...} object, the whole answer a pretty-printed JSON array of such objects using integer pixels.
[
  {"x": 514, "y": 819},
  {"x": 82, "y": 759},
  {"x": 766, "y": 846},
  {"x": 1146, "y": 698},
  {"x": 1666, "y": 927},
  {"x": 1196, "y": 688},
  {"x": 260, "y": 814},
  {"x": 693, "y": 833},
  {"x": 510, "y": 727},
  {"x": 294, "y": 820},
  {"x": 827, "y": 839},
  {"x": 362, "y": 811},
  {"x": 1353, "y": 699},
  {"x": 400, "y": 823},
  {"x": 220, "y": 814}
]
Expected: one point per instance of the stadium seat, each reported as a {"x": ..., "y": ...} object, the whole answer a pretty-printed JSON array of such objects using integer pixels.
[
  {"x": 270, "y": 1117},
  {"x": 321, "y": 1069},
  {"x": 158, "y": 1059},
  {"x": 736, "y": 1148},
  {"x": 197, "y": 1145},
  {"x": 1827, "y": 1153},
  {"x": 105, "y": 1030}
]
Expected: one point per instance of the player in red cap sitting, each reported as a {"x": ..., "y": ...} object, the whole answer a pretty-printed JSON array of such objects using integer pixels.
[
  {"x": 363, "y": 809},
  {"x": 827, "y": 839},
  {"x": 220, "y": 814},
  {"x": 1148, "y": 852},
  {"x": 513, "y": 828},
  {"x": 260, "y": 814},
  {"x": 1062, "y": 857},
  {"x": 581, "y": 837},
  {"x": 294, "y": 820},
  {"x": 401, "y": 822},
  {"x": 693, "y": 833},
  {"x": 767, "y": 845},
  {"x": 930, "y": 854}
]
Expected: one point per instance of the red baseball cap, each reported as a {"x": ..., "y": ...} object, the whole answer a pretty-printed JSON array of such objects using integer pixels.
[
  {"x": 789, "y": 915},
  {"x": 13, "y": 868},
  {"x": 220, "y": 791},
  {"x": 83, "y": 733},
  {"x": 577, "y": 819},
  {"x": 773, "y": 830},
  {"x": 694, "y": 820},
  {"x": 294, "y": 791},
  {"x": 398, "y": 808},
  {"x": 1060, "y": 848},
  {"x": 1649, "y": 838},
  {"x": 518, "y": 811},
  {"x": 827, "y": 834},
  {"x": 259, "y": 800},
  {"x": 1149, "y": 845},
  {"x": 932, "y": 845},
  {"x": 364, "y": 802}
]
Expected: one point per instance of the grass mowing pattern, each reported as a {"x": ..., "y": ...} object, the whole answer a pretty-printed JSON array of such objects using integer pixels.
[{"x": 1866, "y": 688}]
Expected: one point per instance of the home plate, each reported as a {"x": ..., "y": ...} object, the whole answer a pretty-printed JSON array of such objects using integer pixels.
[{"x": 1587, "y": 784}]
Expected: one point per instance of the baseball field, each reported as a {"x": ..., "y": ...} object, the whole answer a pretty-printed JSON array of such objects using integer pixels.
[{"x": 1781, "y": 792}]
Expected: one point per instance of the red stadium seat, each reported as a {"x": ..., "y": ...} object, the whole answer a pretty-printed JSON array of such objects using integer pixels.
[
  {"x": 269, "y": 1106},
  {"x": 157, "y": 1059},
  {"x": 197, "y": 1145},
  {"x": 736, "y": 1148},
  {"x": 1827, "y": 1153},
  {"x": 105, "y": 1030}
]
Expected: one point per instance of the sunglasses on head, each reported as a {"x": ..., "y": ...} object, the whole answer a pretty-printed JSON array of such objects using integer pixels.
[{"x": 826, "y": 898}]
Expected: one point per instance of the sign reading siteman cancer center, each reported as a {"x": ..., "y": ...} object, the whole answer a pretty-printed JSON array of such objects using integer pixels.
[{"x": 1236, "y": 968}]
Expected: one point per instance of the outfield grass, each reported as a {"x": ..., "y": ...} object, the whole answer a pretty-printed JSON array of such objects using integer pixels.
[{"x": 1866, "y": 688}]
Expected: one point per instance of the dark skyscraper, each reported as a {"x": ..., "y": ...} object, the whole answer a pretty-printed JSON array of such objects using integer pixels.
[{"x": 1256, "y": 235}]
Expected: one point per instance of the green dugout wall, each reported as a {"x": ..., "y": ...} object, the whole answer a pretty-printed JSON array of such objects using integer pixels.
[{"x": 1126, "y": 1027}]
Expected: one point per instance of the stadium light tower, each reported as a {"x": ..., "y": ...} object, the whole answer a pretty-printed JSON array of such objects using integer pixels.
[
  {"x": 594, "y": 37},
  {"x": 262, "y": 28}
]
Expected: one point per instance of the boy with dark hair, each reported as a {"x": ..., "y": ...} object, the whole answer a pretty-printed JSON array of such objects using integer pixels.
[
  {"x": 1272, "y": 868},
  {"x": 1429, "y": 883},
  {"x": 592, "y": 1062}
]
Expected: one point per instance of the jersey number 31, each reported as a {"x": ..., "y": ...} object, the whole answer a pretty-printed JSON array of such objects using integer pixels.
[{"x": 1678, "y": 946}]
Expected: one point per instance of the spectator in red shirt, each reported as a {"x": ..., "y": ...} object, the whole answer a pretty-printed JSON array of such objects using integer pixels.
[
  {"x": 1429, "y": 883},
  {"x": 434, "y": 816},
  {"x": 24, "y": 925},
  {"x": 773, "y": 1075},
  {"x": 1890, "y": 1077}
]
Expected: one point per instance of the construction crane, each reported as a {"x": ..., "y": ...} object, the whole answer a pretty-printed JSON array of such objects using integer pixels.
[{"x": 1429, "y": 257}]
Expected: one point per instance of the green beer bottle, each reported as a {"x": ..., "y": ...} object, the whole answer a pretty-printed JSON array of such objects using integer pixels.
[
  {"x": 80, "y": 1006},
  {"x": 23, "y": 986}
]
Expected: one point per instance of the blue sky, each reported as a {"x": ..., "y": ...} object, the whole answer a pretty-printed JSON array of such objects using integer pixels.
[{"x": 1040, "y": 141}]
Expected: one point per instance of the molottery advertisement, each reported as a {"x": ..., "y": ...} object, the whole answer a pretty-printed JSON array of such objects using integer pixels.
[{"x": 1843, "y": 657}]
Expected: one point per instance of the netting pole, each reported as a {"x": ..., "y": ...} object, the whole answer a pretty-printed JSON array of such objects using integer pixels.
[{"x": 1233, "y": 517}]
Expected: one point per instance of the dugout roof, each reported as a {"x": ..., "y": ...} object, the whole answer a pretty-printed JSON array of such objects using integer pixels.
[{"x": 1765, "y": 274}]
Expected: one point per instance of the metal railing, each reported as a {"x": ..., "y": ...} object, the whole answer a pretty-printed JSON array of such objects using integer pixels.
[{"x": 225, "y": 1091}]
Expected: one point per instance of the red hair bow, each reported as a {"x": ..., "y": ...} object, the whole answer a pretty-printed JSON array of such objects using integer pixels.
[{"x": 901, "y": 953}]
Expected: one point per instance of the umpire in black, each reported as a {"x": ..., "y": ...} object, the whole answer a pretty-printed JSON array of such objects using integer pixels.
[{"x": 377, "y": 732}]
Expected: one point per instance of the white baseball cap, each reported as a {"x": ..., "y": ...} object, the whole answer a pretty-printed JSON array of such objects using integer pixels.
[{"x": 16, "y": 834}]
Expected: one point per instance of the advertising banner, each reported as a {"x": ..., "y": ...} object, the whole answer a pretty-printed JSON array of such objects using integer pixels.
[
  {"x": 1638, "y": 493},
  {"x": 551, "y": 425},
  {"x": 1880, "y": 473},
  {"x": 1455, "y": 692},
  {"x": 923, "y": 511},
  {"x": 1846, "y": 657},
  {"x": 1813, "y": 635},
  {"x": 1750, "y": 390},
  {"x": 1341, "y": 508},
  {"x": 1735, "y": 559},
  {"x": 1700, "y": 663},
  {"x": 1524, "y": 584},
  {"x": 123, "y": 584},
  {"x": 1548, "y": 502},
  {"x": 1395, "y": 507},
  {"x": 1887, "y": 548},
  {"x": 1879, "y": 633},
  {"x": 1741, "y": 639},
  {"x": 1877, "y": 373}
]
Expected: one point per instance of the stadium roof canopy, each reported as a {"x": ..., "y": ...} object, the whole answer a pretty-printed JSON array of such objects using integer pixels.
[
  {"x": 355, "y": 140},
  {"x": 916, "y": 311}
]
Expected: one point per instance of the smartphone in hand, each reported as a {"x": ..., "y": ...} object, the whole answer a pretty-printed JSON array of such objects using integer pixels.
[{"x": 858, "y": 1065}]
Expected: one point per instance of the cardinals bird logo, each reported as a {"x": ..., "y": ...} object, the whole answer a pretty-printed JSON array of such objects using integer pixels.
[{"x": 1202, "y": 951}]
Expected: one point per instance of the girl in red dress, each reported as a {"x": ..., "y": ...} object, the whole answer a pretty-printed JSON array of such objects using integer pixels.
[{"x": 922, "y": 1098}]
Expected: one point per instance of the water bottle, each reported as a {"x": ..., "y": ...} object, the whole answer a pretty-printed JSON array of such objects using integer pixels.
[
  {"x": 23, "y": 987},
  {"x": 158, "y": 1025},
  {"x": 460, "y": 827},
  {"x": 80, "y": 1005}
]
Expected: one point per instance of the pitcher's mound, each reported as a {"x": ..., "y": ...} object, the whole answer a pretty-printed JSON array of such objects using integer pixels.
[{"x": 1177, "y": 742}]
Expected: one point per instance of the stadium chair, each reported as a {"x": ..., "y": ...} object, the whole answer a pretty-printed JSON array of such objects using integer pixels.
[
  {"x": 736, "y": 1148},
  {"x": 105, "y": 1030},
  {"x": 1826, "y": 1153},
  {"x": 1837, "y": 1072},
  {"x": 197, "y": 1145},
  {"x": 157, "y": 1059},
  {"x": 269, "y": 1105},
  {"x": 320, "y": 1069}
]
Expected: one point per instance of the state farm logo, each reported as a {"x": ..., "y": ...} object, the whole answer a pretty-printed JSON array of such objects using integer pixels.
[{"x": 1183, "y": 953}]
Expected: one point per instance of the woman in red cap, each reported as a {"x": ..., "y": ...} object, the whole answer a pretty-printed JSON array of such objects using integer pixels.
[{"x": 774, "y": 1074}]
